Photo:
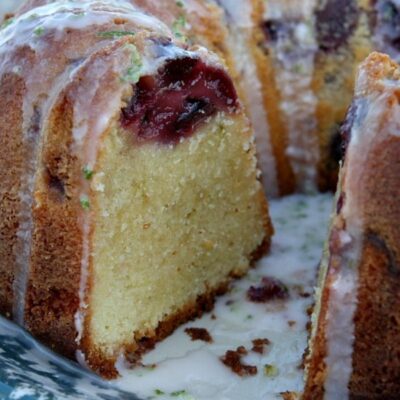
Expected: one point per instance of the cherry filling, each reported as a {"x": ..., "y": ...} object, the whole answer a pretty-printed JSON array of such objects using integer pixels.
[{"x": 170, "y": 105}]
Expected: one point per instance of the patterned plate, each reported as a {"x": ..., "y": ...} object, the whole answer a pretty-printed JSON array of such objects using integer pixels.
[{"x": 28, "y": 371}]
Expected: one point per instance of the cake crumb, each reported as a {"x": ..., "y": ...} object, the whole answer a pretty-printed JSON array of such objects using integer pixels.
[
  {"x": 291, "y": 323},
  {"x": 259, "y": 345},
  {"x": 233, "y": 360},
  {"x": 289, "y": 395},
  {"x": 299, "y": 289},
  {"x": 270, "y": 370},
  {"x": 270, "y": 289},
  {"x": 199, "y": 334}
]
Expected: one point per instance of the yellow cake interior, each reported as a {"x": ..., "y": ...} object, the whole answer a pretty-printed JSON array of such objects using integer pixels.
[{"x": 171, "y": 223}]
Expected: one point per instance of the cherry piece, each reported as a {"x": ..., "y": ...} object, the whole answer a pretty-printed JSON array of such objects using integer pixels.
[{"x": 172, "y": 104}]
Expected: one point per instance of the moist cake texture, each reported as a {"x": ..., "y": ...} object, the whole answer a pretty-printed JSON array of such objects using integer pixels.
[{"x": 129, "y": 190}]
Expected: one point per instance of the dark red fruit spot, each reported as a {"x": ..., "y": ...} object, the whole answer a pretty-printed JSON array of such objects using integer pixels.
[
  {"x": 270, "y": 289},
  {"x": 335, "y": 23},
  {"x": 387, "y": 22},
  {"x": 170, "y": 105}
]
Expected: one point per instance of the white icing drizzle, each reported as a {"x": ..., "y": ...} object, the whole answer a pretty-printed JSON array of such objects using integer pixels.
[
  {"x": 340, "y": 324},
  {"x": 294, "y": 53},
  {"x": 366, "y": 130},
  {"x": 239, "y": 16}
]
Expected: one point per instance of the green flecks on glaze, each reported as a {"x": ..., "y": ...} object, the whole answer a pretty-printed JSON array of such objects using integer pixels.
[{"x": 132, "y": 74}]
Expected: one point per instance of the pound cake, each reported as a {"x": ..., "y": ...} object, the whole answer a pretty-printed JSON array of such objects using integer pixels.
[
  {"x": 298, "y": 61},
  {"x": 128, "y": 184},
  {"x": 354, "y": 347}
]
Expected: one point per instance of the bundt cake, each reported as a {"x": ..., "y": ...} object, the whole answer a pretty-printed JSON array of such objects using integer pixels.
[
  {"x": 298, "y": 60},
  {"x": 129, "y": 193},
  {"x": 128, "y": 185},
  {"x": 354, "y": 347}
]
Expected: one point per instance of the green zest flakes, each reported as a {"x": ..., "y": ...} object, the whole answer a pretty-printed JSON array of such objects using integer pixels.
[
  {"x": 78, "y": 14},
  {"x": 115, "y": 34},
  {"x": 179, "y": 393},
  {"x": 158, "y": 392},
  {"x": 38, "y": 31},
  {"x": 180, "y": 3},
  {"x": 270, "y": 370},
  {"x": 132, "y": 75},
  {"x": 87, "y": 173},
  {"x": 33, "y": 16},
  {"x": 178, "y": 27},
  {"x": 85, "y": 202},
  {"x": 7, "y": 22}
]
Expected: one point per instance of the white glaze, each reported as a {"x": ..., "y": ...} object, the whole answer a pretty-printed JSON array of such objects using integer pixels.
[
  {"x": 239, "y": 17},
  {"x": 372, "y": 117},
  {"x": 294, "y": 67}
]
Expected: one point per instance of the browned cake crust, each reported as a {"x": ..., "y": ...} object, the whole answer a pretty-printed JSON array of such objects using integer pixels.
[
  {"x": 11, "y": 168},
  {"x": 370, "y": 183},
  {"x": 52, "y": 296}
]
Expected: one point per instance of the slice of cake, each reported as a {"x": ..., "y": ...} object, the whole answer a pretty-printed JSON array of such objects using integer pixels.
[
  {"x": 354, "y": 346},
  {"x": 128, "y": 190}
]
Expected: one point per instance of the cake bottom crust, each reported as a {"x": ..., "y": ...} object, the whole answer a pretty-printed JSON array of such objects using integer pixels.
[{"x": 106, "y": 366}]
